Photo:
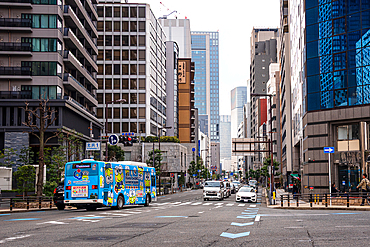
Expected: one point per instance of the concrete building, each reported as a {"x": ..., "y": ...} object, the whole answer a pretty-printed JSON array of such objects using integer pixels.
[
  {"x": 172, "y": 110},
  {"x": 204, "y": 46},
  {"x": 335, "y": 109},
  {"x": 238, "y": 99},
  {"x": 225, "y": 137},
  {"x": 215, "y": 164},
  {"x": 274, "y": 116},
  {"x": 129, "y": 70},
  {"x": 263, "y": 52},
  {"x": 286, "y": 132},
  {"x": 178, "y": 30},
  {"x": 47, "y": 53}
]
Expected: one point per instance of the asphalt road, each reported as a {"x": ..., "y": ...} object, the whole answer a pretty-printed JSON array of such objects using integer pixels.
[{"x": 184, "y": 219}]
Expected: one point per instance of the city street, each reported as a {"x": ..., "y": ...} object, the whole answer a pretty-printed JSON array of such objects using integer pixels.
[{"x": 184, "y": 219}]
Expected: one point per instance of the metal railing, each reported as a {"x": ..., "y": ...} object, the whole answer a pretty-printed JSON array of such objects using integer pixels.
[
  {"x": 15, "y": 22},
  {"x": 15, "y": 1},
  {"x": 15, "y": 46},
  {"x": 66, "y": 75},
  {"x": 29, "y": 202},
  {"x": 324, "y": 199}
]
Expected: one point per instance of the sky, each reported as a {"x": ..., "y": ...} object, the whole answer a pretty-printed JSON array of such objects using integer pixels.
[{"x": 234, "y": 20}]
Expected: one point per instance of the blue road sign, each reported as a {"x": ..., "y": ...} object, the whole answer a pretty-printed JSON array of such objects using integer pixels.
[
  {"x": 193, "y": 149},
  {"x": 113, "y": 139},
  {"x": 328, "y": 150}
]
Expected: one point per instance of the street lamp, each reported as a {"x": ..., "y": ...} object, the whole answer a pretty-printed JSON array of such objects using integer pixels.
[
  {"x": 106, "y": 122},
  {"x": 271, "y": 151}
]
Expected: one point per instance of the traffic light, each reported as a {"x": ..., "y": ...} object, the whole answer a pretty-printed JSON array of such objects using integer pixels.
[
  {"x": 134, "y": 139},
  {"x": 129, "y": 141},
  {"x": 126, "y": 140}
]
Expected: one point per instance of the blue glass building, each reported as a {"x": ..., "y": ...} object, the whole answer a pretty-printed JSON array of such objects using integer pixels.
[
  {"x": 204, "y": 46},
  {"x": 337, "y": 54}
]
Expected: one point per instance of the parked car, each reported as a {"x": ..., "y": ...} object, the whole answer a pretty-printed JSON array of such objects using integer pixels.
[
  {"x": 246, "y": 194},
  {"x": 213, "y": 190},
  {"x": 58, "y": 197}
]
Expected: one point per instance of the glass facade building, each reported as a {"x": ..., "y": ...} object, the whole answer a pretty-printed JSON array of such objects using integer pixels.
[
  {"x": 204, "y": 46},
  {"x": 337, "y": 54}
]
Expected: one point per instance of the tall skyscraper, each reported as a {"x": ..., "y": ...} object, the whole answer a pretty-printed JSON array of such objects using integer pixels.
[
  {"x": 287, "y": 165},
  {"x": 225, "y": 137},
  {"x": 129, "y": 70},
  {"x": 204, "y": 46},
  {"x": 178, "y": 30},
  {"x": 335, "y": 101},
  {"x": 263, "y": 52},
  {"x": 239, "y": 97},
  {"x": 172, "y": 110},
  {"x": 47, "y": 53}
]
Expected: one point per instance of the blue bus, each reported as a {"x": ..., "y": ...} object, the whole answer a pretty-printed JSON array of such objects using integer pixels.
[{"x": 91, "y": 184}]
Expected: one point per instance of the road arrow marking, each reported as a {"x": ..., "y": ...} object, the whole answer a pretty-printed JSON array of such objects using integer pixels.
[
  {"x": 231, "y": 235},
  {"x": 246, "y": 216},
  {"x": 242, "y": 224}
]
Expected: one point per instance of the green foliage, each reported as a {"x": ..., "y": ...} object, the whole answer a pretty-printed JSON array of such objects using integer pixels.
[
  {"x": 9, "y": 157},
  {"x": 25, "y": 176},
  {"x": 157, "y": 160},
  {"x": 182, "y": 179},
  {"x": 255, "y": 173},
  {"x": 26, "y": 156},
  {"x": 163, "y": 139},
  {"x": 115, "y": 153}
]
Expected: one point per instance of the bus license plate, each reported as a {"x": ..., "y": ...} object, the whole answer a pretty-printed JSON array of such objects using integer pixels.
[{"x": 79, "y": 191}]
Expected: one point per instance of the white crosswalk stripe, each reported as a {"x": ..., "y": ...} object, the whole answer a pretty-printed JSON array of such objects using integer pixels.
[
  {"x": 230, "y": 204},
  {"x": 197, "y": 203},
  {"x": 241, "y": 205},
  {"x": 208, "y": 203}
]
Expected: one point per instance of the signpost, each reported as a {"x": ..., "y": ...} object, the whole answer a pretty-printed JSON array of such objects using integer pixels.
[
  {"x": 113, "y": 139},
  {"x": 329, "y": 150},
  {"x": 92, "y": 146}
]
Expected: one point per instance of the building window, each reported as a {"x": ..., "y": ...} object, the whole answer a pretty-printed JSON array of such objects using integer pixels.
[
  {"x": 44, "y": 92},
  {"x": 44, "y": 21},
  {"x": 46, "y": 69},
  {"x": 348, "y": 138}
]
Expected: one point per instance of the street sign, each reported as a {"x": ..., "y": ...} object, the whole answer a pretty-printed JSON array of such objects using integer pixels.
[
  {"x": 194, "y": 175},
  {"x": 113, "y": 139},
  {"x": 128, "y": 134},
  {"x": 199, "y": 170},
  {"x": 328, "y": 150},
  {"x": 172, "y": 175},
  {"x": 193, "y": 149},
  {"x": 92, "y": 146}
]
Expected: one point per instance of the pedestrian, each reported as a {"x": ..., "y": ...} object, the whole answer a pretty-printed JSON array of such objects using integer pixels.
[
  {"x": 363, "y": 185},
  {"x": 295, "y": 191},
  {"x": 334, "y": 189}
]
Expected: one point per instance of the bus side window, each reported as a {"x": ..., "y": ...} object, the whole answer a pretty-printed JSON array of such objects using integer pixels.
[{"x": 153, "y": 180}]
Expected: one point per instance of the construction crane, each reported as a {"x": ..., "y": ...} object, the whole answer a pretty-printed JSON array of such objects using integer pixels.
[{"x": 165, "y": 16}]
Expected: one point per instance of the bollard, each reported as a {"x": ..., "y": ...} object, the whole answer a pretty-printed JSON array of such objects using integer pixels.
[
  {"x": 326, "y": 200},
  {"x": 11, "y": 204},
  {"x": 28, "y": 204},
  {"x": 297, "y": 200},
  {"x": 288, "y": 201},
  {"x": 347, "y": 200},
  {"x": 282, "y": 201},
  {"x": 39, "y": 202},
  {"x": 51, "y": 202},
  {"x": 311, "y": 200}
]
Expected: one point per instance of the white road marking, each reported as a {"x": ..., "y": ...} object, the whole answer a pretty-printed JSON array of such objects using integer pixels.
[
  {"x": 106, "y": 213},
  {"x": 257, "y": 218},
  {"x": 122, "y": 214},
  {"x": 53, "y": 222},
  {"x": 13, "y": 238},
  {"x": 208, "y": 203},
  {"x": 93, "y": 221},
  {"x": 220, "y": 203},
  {"x": 253, "y": 206},
  {"x": 293, "y": 227},
  {"x": 176, "y": 203},
  {"x": 197, "y": 203},
  {"x": 131, "y": 212},
  {"x": 200, "y": 212},
  {"x": 230, "y": 204},
  {"x": 241, "y": 205}
]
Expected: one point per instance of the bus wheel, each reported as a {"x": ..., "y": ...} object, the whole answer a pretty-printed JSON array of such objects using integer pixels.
[
  {"x": 147, "y": 199},
  {"x": 120, "y": 202}
]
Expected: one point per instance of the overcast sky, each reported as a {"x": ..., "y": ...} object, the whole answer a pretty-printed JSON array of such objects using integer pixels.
[{"x": 234, "y": 20}]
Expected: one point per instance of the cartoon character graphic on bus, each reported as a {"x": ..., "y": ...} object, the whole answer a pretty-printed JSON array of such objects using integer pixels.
[
  {"x": 141, "y": 171},
  {"x": 131, "y": 197},
  {"x": 108, "y": 175},
  {"x": 154, "y": 192},
  {"x": 110, "y": 198},
  {"x": 118, "y": 171},
  {"x": 101, "y": 181},
  {"x": 147, "y": 180},
  {"x": 85, "y": 176},
  {"x": 141, "y": 186}
]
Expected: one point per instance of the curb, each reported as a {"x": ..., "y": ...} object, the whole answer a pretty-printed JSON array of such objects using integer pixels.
[
  {"x": 323, "y": 208},
  {"x": 7, "y": 211}
]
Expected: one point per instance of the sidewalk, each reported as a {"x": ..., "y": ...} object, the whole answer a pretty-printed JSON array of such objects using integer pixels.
[{"x": 304, "y": 205}]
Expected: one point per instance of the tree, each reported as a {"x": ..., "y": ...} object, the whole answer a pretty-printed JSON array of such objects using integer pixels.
[
  {"x": 71, "y": 139},
  {"x": 9, "y": 157},
  {"x": 45, "y": 117},
  {"x": 25, "y": 176},
  {"x": 116, "y": 153},
  {"x": 55, "y": 160},
  {"x": 26, "y": 156}
]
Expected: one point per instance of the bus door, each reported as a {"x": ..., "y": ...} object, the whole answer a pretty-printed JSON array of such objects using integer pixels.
[
  {"x": 108, "y": 184},
  {"x": 153, "y": 185}
]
